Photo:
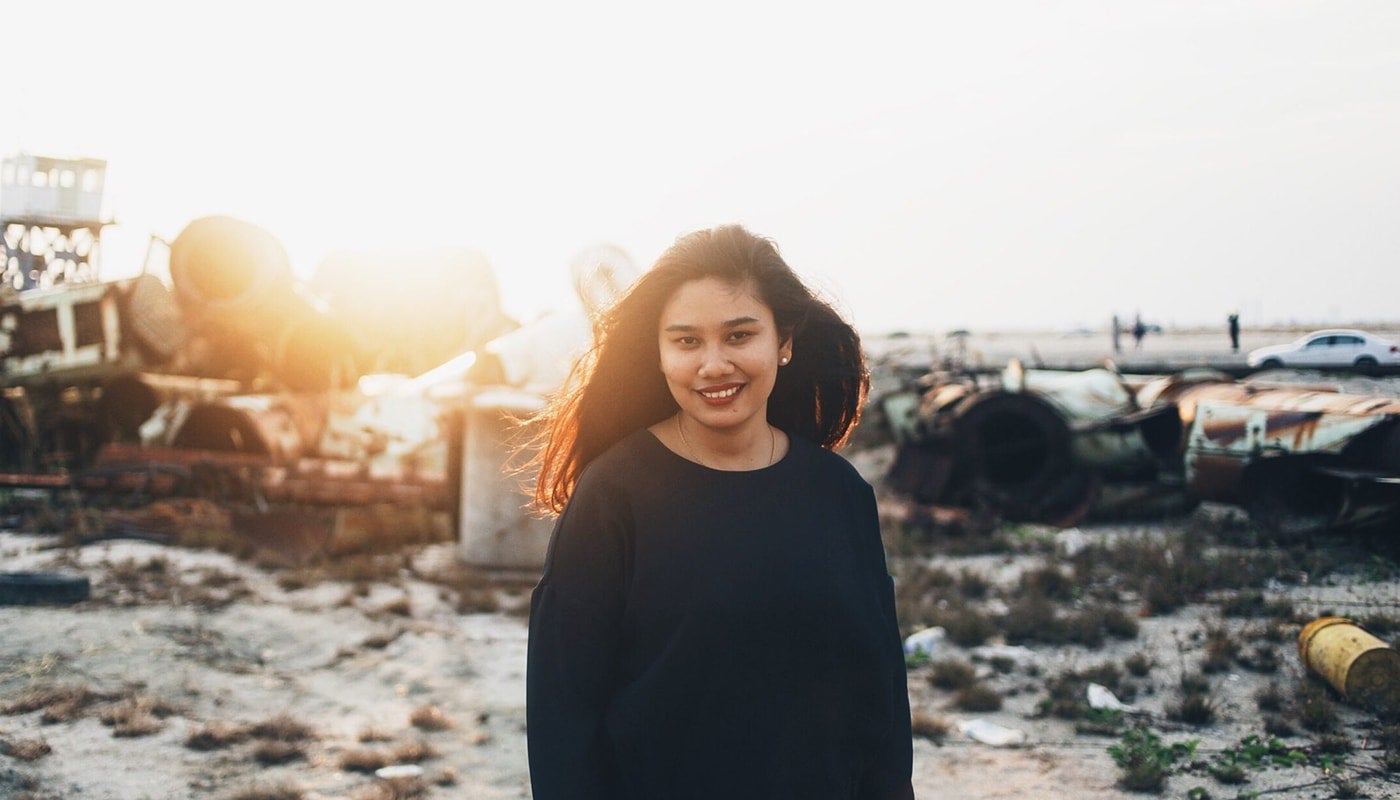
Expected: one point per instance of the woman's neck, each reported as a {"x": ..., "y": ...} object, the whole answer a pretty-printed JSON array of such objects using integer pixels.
[{"x": 751, "y": 446}]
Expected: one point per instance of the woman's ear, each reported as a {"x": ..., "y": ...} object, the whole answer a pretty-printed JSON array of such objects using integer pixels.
[{"x": 785, "y": 351}]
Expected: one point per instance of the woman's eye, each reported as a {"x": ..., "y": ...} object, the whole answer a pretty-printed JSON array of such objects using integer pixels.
[
  {"x": 739, "y": 336},
  {"x": 687, "y": 341}
]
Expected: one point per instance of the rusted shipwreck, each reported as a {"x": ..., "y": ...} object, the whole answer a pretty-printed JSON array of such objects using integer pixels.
[{"x": 1056, "y": 447}]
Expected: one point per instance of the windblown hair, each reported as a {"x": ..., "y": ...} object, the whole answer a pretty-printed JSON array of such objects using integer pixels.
[{"x": 618, "y": 387}]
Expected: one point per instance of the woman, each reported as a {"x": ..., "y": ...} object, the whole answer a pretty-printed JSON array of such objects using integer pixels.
[{"x": 715, "y": 619}]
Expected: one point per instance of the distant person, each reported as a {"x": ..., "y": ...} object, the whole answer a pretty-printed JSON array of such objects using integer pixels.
[
  {"x": 1116, "y": 334},
  {"x": 1139, "y": 331},
  {"x": 1234, "y": 333},
  {"x": 715, "y": 618}
]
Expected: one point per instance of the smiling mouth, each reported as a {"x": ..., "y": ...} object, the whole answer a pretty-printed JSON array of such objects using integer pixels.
[{"x": 720, "y": 394}]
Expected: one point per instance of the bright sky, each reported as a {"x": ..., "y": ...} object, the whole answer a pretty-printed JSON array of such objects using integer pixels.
[{"x": 933, "y": 165}]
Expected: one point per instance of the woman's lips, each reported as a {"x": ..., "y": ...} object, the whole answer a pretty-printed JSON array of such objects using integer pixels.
[{"x": 723, "y": 394}]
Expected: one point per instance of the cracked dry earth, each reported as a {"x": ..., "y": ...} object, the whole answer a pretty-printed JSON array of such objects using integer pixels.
[{"x": 199, "y": 646}]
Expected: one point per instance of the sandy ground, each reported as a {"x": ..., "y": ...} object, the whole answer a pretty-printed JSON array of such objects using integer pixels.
[
  {"x": 208, "y": 642},
  {"x": 346, "y": 661}
]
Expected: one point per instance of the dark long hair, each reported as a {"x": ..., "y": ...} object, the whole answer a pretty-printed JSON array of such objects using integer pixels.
[{"x": 618, "y": 387}]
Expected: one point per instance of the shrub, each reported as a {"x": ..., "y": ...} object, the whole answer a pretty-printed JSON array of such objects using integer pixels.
[
  {"x": 1145, "y": 761},
  {"x": 1194, "y": 709},
  {"x": 1316, "y": 712},
  {"x": 951, "y": 675},
  {"x": 1138, "y": 664},
  {"x": 927, "y": 726},
  {"x": 978, "y": 697}
]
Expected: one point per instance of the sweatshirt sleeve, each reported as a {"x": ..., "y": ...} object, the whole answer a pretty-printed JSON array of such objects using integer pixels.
[
  {"x": 575, "y": 624},
  {"x": 891, "y": 774}
]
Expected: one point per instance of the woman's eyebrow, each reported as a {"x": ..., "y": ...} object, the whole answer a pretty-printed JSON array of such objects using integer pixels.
[{"x": 681, "y": 327}]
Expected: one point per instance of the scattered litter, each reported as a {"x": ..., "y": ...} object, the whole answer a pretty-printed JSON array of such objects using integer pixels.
[
  {"x": 399, "y": 771},
  {"x": 42, "y": 588},
  {"x": 1072, "y": 541},
  {"x": 924, "y": 641},
  {"x": 991, "y": 733},
  {"x": 1100, "y": 697}
]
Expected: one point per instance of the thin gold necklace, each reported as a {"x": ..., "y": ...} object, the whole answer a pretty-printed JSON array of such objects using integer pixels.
[{"x": 772, "y": 445}]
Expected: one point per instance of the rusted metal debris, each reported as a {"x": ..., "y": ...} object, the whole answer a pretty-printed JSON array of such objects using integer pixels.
[
  {"x": 232, "y": 343},
  {"x": 1055, "y": 447},
  {"x": 230, "y": 384}
]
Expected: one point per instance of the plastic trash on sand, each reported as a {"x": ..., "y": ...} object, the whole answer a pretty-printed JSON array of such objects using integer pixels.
[
  {"x": 1101, "y": 697},
  {"x": 980, "y": 730},
  {"x": 399, "y": 771},
  {"x": 1072, "y": 541},
  {"x": 924, "y": 641}
]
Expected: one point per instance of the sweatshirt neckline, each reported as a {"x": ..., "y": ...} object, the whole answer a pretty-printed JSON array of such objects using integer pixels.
[{"x": 792, "y": 446}]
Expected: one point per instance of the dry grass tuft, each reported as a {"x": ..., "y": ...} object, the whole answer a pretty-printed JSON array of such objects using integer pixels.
[
  {"x": 952, "y": 674},
  {"x": 927, "y": 726},
  {"x": 1221, "y": 650},
  {"x": 369, "y": 735},
  {"x": 1270, "y": 698},
  {"x": 1278, "y": 726},
  {"x": 1139, "y": 665},
  {"x": 1263, "y": 659},
  {"x": 414, "y": 752},
  {"x": 1066, "y": 692},
  {"x": 137, "y": 715},
  {"x": 966, "y": 627},
  {"x": 430, "y": 718},
  {"x": 57, "y": 703},
  {"x": 977, "y": 697},
  {"x": 25, "y": 749},
  {"x": 973, "y": 584},
  {"x": 364, "y": 760},
  {"x": 402, "y": 607},
  {"x": 368, "y": 760},
  {"x": 282, "y": 728},
  {"x": 130, "y": 721},
  {"x": 1194, "y": 708},
  {"x": 379, "y": 641},
  {"x": 1048, "y": 583},
  {"x": 395, "y": 789},
  {"x": 447, "y": 776},
  {"x": 273, "y": 752},
  {"x": 1316, "y": 711},
  {"x": 281, "y": 791},
  {"x": 216, "y": 736},
  {"x": 300, "y": 578}
]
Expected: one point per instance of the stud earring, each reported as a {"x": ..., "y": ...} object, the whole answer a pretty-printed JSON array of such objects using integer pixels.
[{"x": 783, "y": 360}]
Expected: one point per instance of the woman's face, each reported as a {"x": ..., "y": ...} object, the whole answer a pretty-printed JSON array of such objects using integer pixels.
[{"x": 719, "y": 352}]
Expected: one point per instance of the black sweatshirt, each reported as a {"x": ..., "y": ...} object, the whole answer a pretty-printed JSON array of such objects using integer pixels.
[{"x": 707, "y": 634}]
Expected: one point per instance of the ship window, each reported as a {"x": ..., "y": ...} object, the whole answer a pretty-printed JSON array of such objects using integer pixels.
[
  {"x": 40, "y": 179},
  {"x": 66, "y": 179},
  {"x": 87, "y": 323},
  {"x": 36, "y": 332},
  {"x": 90, "y": 180},
  {"x": 9, "y": 175}
]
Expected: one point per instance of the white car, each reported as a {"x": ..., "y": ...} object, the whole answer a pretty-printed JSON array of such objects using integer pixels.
[{"x": 1330, "y": 348}]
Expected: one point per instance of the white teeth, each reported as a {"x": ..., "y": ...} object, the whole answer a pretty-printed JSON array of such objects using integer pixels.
[{"x": 720, "y": 395}]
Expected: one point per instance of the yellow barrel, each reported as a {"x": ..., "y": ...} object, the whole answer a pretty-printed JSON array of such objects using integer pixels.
[{"x": 1363, "y": 668}]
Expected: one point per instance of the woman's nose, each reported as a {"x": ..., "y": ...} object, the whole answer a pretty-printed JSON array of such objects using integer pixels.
[{"x": 714, "y": 362}]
